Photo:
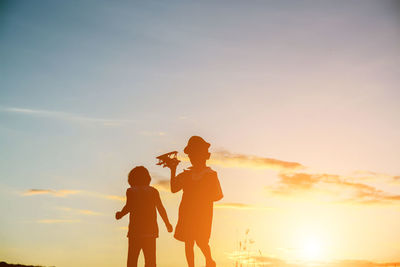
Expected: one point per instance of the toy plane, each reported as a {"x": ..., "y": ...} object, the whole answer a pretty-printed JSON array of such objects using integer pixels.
[{"x": 168, "y": 159}]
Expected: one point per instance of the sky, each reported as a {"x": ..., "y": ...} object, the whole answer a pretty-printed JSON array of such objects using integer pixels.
[{"x": 299, "y": 100}]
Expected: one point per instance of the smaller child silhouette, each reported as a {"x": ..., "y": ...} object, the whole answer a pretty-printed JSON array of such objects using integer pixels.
[{"x": 142, "y": 201}]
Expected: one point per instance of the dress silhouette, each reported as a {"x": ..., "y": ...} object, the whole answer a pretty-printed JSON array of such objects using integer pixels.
[{"x": 201, "y": 187}]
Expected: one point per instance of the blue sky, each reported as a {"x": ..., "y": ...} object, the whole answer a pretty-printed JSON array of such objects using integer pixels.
[{"x": 90, "y": 89}]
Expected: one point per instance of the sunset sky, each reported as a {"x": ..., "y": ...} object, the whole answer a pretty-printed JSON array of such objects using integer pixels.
[{"x": 299, "y": 100}]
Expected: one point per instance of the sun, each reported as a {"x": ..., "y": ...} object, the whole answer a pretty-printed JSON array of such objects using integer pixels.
[{"x": 311, "y": 248}]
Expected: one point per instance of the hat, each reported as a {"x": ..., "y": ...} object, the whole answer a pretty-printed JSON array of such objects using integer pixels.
[{"x": 196, "y": 143}]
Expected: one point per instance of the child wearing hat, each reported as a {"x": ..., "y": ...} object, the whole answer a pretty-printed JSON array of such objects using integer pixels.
[
  {"x": 201, "y": 187},
  {"x": 142, "y": 203}
]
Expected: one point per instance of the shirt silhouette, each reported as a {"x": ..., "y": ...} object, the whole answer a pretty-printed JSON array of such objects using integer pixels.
[{"x": 142, "y": 204}]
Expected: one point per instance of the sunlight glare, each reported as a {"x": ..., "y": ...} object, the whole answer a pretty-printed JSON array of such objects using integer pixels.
[{"x": 312, "y": 248}]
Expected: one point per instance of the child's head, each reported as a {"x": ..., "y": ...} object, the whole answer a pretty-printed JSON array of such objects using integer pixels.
[
  {"x": 139, "y": 176},
  {"x": 197, "y": 151}
]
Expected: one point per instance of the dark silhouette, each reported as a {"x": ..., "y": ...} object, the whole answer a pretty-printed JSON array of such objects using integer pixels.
[
  {"x": 201, "y": 188},
  {"x": 168, "y": 158},
  {"x": 142, "y": 201}
]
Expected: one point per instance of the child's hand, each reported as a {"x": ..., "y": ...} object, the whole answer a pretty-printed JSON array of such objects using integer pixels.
[
  {"x": 118, "y": 215},
  {"x": 172, "y": 164},
  {"x": 169, "y": 227}
]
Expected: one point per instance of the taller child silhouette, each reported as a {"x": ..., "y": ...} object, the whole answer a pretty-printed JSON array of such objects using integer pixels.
[{"x": 201, "y": 188}]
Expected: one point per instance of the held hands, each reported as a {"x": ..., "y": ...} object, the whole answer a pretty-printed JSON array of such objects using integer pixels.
[
  {"x": 118, "y": 215},
  {"x": 169, "y": 227}
]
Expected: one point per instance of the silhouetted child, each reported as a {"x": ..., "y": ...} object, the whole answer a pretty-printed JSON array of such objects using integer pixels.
[
  {"x": 142, "y": 200},
  {"x": 201, "y": 188}
]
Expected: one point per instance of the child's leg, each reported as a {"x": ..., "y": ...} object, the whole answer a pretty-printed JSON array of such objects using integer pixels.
[
  {"x": 189, "y": 253},
  {"x": 134, "y": 248},
  {"x": 205, "y": 248},
  {"x": 149, "y": 251}
]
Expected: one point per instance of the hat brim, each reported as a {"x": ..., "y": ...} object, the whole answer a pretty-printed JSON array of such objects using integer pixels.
[{"x": 188, "y": 149}]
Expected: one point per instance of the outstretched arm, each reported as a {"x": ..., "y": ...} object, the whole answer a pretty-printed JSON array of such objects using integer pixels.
[
  {"x": 125, "y": 209},
  {"x": 163, "y": 213},
  {"x": 122, "y": 213}
]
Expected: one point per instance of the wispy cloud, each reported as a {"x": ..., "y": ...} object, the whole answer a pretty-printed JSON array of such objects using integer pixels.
[
  {"x": 229, "y": 159},
  {"x": 376, "y": 176},
  {"x": 294, "y": 180},
  {"x": 66, "y": 116},
  {"x": 56, "y": 193},
  {"x": 115, "y": 197},
  {"x": 254, "y": 258},
  {"x": 152, "y": 133},
  {"x": 242, "y": 206},
  {"x": 344, "y": 188},
  {"x": 52, "y": 221},
  {"x": 89, "y": 212},
  {"x": 359, "y": 263},
  {"x": 162, "y": 185},
  {"x": 81, "y": 211},
  {"x": 65, "y": 193}
]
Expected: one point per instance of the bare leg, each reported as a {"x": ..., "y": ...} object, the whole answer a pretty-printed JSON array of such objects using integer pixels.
[
  {"x": 133, "y": 252},
  {"x": 149, "y": 251},
  {"x": 189, "y": 253},
  {"x": 205, "y": 248}
]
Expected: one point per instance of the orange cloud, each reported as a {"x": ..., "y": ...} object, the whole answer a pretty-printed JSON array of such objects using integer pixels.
[
  {"x": 89, "y": 212},
  {"x": 376, "y": 176},
  {"x": 162, "y": 185},
  {"x": 227, "y": 159},
  {"x": 233, "y": 205},
  {"x": 56, "y": 193},
  {"x": 360, "y": 263},
  {"x": 253, "y": 258},
  {"x": 80, "y": 211},
  {"x": 114, "y": 197},
  {"x": 299, "y": 180},
  {"x": 245, "y": 257},
  {"x": 51, "y": 221},
  {"x": 64, "y": 193},
  {"x": 359, "y": 193}
]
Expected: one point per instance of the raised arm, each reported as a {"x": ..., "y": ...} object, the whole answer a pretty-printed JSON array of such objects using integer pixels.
[
  {"x": 175, "y": 183},
  {"x": 162, "y": 212}
]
